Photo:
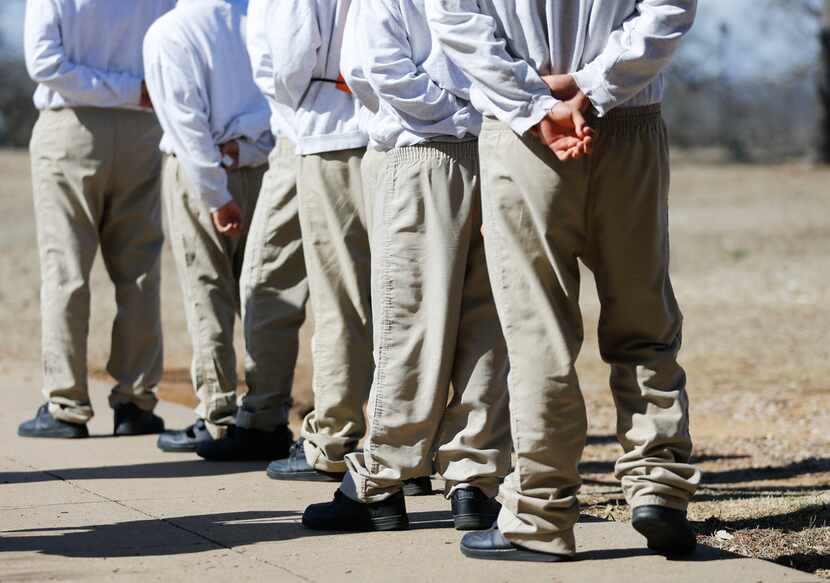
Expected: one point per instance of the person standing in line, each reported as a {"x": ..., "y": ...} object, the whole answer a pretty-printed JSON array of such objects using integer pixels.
[
  {"x": 95, "y": 171},
  {"x": 434, "y": 318},
  {"x": 305, "y": 39},
  {"x": 273, "y": 285},
  {"x": 216, "y": 140},
  {"x": 545, "y": 210}
]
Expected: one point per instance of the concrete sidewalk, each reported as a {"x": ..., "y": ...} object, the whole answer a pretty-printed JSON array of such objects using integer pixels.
[{"x": 104, "y": 508}]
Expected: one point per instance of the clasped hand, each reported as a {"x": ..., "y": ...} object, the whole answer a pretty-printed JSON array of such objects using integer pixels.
[
  {"x": 564, "y": 130},
  {"x": 228, "y": 218}
]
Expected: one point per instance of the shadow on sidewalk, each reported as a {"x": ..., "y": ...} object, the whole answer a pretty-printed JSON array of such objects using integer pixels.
[
  {"x": 179, "y": 535},
  {"x": 203, "y": 533},
  {"x": 173, "y": 469}
]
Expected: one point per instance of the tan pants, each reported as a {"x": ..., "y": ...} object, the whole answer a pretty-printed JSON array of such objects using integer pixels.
[
  {"x": 209, "y": 267},
  {"x": 372, "y": 172},
  {"x": 611, "y": 211},
  {"x": 336, "y": 248},
  {"x": 95, "y": 174},
  {"x": 274, "y": 295},
  {"x": 435, "y": 324}
]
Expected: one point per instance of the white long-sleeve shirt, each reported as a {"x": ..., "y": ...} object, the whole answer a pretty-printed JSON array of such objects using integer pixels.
[
  {"x": 200, "y": 80},
  {"x": 422, "y": 95},
  {"x": 282, "y": 116},
  {"x": 615, "y": 49},
  {"x": 305, "y": 38},
  {"x": 351, "y": 65},
  {"x": 87, "y": 53}
]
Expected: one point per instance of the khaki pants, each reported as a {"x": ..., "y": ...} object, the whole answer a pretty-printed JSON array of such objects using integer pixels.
[
  {"x": 372, "y": 172},
  {"x": 95, "y": 175},
  {"x": 435, "y": 324},
  {"x": 610, "y": 210},
  {"x": 274, "y": 295},
  {"x": 336, "y": 248},
  {"x": 209, "y": 267}
]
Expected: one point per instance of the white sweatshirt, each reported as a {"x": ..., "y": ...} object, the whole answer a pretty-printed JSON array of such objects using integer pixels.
[
  {"x": 615, "y": 49},
  {"x": 282, "y": 116},
  {"x": 87, "y": 53},
  {"x": 351, "y": 65},
  {"x": 305, "y": 37},
  {"x": 200, "y": 80},
  {"x": 423, "y": 96}
]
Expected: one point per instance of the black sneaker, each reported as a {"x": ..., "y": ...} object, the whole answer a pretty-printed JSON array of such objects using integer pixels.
[
  {"x": 473, "y": 510},
  {"x": 296, "y": 467},
  {"x": 667, "y": 530},
  {"x": 241, "y": 444},
  {"x": 491, "y": 545},
  {"x": 184, "y": 440},
  {"x": 130, "y": 420},
  {"x": 418, "y": 486},
  {"x": 44, "y": 425},
  {"x": 346, "y": 515}
]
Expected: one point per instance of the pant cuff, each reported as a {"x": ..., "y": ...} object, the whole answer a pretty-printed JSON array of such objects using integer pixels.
[
  {"x": 79, "y": 415},
  {"x": 555, "y": 543},
  {"x": 317, "y": 459},
  {"x": 359, "y": 486}
]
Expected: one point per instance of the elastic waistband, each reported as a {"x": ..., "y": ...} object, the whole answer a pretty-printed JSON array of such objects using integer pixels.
[
  {"x": 626, "y": 116},
  {"x": 467, "y": 150}
]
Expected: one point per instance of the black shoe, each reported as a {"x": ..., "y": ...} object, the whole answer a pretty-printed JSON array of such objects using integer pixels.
[
  {"x": 296, "y": 467},
  {"x": 473, "y": 510},
  {"x": 666, "y": 529},
  {"x": 491, "y": 544},
  {"x": 184, "y": 440},
  {"x": 241, "y": 444},
  {"x": 44, "y": 425},
  {"x": 417, "y": 486},
  {"x": 130, "y": 420},
  {"x": 344, "y": 514}
]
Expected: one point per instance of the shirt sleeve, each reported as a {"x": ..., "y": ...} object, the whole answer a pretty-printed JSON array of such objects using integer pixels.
[
  {"x": 416, "y": 100},
  {"x": 351, "y": 59},
  {"x": 183, "y": 112},
  {"x": 253, "y": 154},
  {"x": 257, "y": 44},
  {"x": 49, "y": 65},
  {"x": 514, "y": 91},
  {"x": 294, "y": 35},
  {"x": 636, "y": 53}
]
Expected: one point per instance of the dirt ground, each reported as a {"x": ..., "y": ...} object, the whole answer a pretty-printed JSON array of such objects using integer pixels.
[{"x": 751, "y": 267}]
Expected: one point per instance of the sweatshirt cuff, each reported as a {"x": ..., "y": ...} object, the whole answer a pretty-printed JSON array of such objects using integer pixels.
[
  {"x": 132, "y": 91},
  {"x": 591, "y": 81},
  {"x": 250, "y": 154},
  {"x": 536, "y": 112},
  {"x": 216, "y": 200}
]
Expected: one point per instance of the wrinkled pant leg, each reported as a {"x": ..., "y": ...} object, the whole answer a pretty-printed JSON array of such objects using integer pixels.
[
  {"x": 206, "y": 267},
  {"x": 70, "y": 167},
  {"x": 640, "y": 325},
  {"x": 476, "y": 446},
  {"x": 132, "y": 239},
  {"x": 274, "y": 295},
  {"x": 534, "y": 232},
  {"x": 336, "y": 251}
]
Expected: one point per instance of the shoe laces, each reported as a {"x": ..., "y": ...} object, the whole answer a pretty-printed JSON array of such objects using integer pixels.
[{"x": 297, "y": 446}]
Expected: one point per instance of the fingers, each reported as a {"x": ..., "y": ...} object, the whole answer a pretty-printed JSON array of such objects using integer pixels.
[
  {"x": 579, "y": 123},
  {"x": 548, "y": 134}
]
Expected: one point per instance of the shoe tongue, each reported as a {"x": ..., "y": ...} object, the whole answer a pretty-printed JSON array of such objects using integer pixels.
[{"x": 298, "y": 449}]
